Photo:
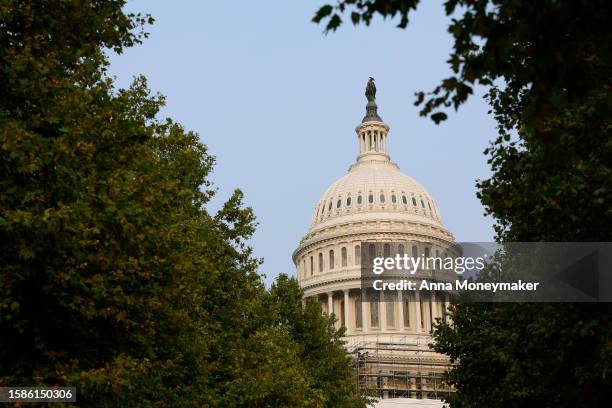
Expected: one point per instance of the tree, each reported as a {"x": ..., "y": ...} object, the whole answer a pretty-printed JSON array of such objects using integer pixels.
[
  {"x": 546, "y": 66},
  {"x": 114, "y": 276},
  {"x": 326, "y": 361}
]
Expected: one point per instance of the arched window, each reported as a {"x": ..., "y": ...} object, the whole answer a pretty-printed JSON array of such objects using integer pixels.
[
  {"x": 393, "y": 199},
  {"x": 427, "y": 252},
  {"x": 320, "y": 262},
  {"x": 331, "y": 259},
  {"x": 415, "y": 251},
  {"x": 357, "y": 254},
  {"x": 371, "y": 198},
  {"x": 304, "y": 267},
  {"x": 329, "y": 207},
  {"x": 422, "y": 204},
  {"x": 358, "y": 319},
  {"x": 400, "y": 249},
  {"x": 387, "y": 250},
  {"x": 359, "y": 199},
  {"x": 338, "y": 203},
  {"x": 371, "y": 251},
  {"x": 404, "y": 200},
  {"x": 382, "y": 198},
  {"x": 348, "y": 201},
  {"x": 429, "y": 205},
  {"x": 322, "y": 209},
  {"x": 344, "y": 256},
  {"x": 311, "y": 266},
  {"x": 414, "y": 202}
]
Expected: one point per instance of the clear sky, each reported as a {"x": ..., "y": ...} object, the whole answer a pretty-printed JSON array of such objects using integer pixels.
[{"x": 277, "y": 102}]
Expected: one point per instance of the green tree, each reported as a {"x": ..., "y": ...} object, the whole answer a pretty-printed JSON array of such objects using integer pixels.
[
  {"x": 546, "y": 67},
  {"x": 326, "y": 361},
  {"x": 114, "y": 277}
]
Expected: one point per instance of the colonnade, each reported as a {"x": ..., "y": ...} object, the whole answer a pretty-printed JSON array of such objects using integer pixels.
[
  {"x": 372, "y": 140},
  {"x": 386, "y": 313}
]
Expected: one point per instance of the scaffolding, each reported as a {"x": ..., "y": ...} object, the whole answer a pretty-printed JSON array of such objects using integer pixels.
[{"x": 404, "y": 368}]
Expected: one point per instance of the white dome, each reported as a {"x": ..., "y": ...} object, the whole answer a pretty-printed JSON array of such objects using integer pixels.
[
  {"x": 375, "y": 200},
  {"x": 375, "y": 203},
  {"x": 375, "y": 189}
]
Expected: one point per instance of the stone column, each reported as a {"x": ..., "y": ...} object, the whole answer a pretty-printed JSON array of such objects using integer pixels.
[
  {"x": 417, "y": 312},
  {"x": 385, "y": 142},
  {"x": 400, "y": 313},
  {"x": 434, "y": 309},
  {"x": 364, "y": 301},
  {"x": 382, "y": 311},
  {"x": 346, "y": 310},
  {"x": 330, "y": 303}
]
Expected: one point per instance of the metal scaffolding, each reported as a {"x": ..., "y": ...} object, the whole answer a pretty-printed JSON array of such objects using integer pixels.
[{"x": 403, "y": 369}]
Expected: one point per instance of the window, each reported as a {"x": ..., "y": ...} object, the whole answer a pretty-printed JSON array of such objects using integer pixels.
[
  {"x": 415, "y": 251},
  {"x": 311, "y": 266},
  {"x": 374, "y": 312},
  {"x": 348, "y": 201},
  {"x": 329, "y": 207},
  {"x": 371, "y": 251},
  {"x": 322, "y": 209},
  {"x": 414, "y": 202},
  {"x": 426, "y": 252},
  {"x": 359, "y": 199},
  {"x": 400, "y": 249},
  {"x": 382, "y": 198},
  {"x": 318, "y": 208},
  {"x": 344, "y": 256},
  {"x": 393, "y": 199},
  {"x": 338, "y": 203},
  {"x": 404, "y": 200},
  {"x": 358, "y": 320},
  {"x": 331, "y": 259},
  {"x": 422, "y": 204},
  {"x": 429, "y": 205},
  {"x": 304, "y": 267},
  {"x": 387, "y": 250},
  {"x": 357, "y": 254},
  {"x": 320, "y": 262},
  {"x": 406, "y": 306},
  {"x": 370, "y": 198}
]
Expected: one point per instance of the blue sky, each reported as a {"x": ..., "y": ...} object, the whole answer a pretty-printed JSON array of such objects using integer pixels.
[{"x": 277, "y": 101}]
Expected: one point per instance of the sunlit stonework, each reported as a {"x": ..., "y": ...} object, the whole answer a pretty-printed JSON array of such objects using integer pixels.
[{"x": 376, "y": 202}]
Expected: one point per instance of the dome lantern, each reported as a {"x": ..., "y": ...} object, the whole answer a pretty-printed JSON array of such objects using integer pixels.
[{"x": 372, "y": 131}]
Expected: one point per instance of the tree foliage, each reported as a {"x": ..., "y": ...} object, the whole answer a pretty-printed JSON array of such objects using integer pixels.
[
  {"x": 326, "y": 361},
  {"x": 546, "y": 67},
  {"x": 114, "y": 276}
]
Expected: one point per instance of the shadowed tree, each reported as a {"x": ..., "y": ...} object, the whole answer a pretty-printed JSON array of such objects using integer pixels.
[
  {"x": 114, "y": 277},
  {"x": 546, "y": 68}
]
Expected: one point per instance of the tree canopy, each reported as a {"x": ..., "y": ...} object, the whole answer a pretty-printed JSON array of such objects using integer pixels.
[
  {"x": 546, "y": 68},
  {"x": 114, "y": 276}
]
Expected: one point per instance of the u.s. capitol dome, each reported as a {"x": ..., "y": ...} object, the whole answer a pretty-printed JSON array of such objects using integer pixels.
[{"x": 387, "y": 334}]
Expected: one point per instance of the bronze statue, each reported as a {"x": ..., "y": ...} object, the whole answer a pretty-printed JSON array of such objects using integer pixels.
[{"x": 370, "y": 92}]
